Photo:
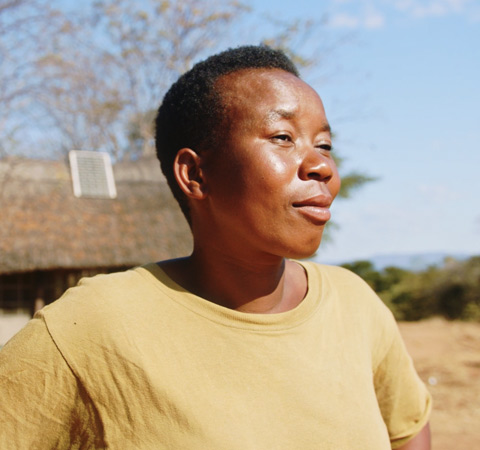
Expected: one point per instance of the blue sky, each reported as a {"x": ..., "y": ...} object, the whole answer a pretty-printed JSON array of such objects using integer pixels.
[
  {"x": 403, "y": 97},
  {"x": 404, "y": 100}
]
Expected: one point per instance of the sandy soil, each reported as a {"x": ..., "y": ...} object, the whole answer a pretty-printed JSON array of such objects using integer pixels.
[{"x": 447, "y": 357}]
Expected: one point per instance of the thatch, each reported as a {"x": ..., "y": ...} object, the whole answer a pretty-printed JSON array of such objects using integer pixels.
[{"x": 43, "y": 226}]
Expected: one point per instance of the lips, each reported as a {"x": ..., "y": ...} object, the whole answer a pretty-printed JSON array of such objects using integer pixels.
[{"x": 316, "y": 209}]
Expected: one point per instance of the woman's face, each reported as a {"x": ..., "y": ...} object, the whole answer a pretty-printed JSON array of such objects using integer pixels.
[{"x": 272, "y": 182}]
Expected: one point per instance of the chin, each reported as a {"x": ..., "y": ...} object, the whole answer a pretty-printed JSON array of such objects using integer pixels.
[
  {"x": 301, "y": 255},
  {"x": 304, "y": 251}
]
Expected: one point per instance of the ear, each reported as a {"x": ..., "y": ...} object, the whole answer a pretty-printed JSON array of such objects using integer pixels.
[{"x": 188, "y": 173}]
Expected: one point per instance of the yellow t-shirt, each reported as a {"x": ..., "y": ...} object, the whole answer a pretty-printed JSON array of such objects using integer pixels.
[{"x": 133, "y": 361}]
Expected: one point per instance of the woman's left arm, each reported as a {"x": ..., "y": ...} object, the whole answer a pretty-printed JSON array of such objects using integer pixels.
[{"x": 420, "y": 442}]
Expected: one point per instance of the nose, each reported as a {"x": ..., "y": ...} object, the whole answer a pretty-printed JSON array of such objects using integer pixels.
[{"x": 317, "y": 165}]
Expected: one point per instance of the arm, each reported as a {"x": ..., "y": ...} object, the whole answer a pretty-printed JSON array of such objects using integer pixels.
[
  {"x": 403, "y": 399},
  {"x": 420, "y": 442},
  {"x": 42, "y": 404}
]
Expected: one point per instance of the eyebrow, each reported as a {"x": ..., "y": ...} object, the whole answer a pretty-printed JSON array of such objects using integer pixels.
[
  {"x": 279, "y": 114},
  {"x": 326, "y": 127},
  {"x": 290, "y": 114}
]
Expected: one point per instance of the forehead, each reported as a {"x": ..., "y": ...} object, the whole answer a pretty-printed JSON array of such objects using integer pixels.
[{"x": 270, "y": 93}]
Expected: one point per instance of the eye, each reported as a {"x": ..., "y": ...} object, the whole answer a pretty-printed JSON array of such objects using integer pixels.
[
  {"x": 325, "y": 146},
  {"x": 282, "y": 140},
  {"x": 282, "y": 137}
]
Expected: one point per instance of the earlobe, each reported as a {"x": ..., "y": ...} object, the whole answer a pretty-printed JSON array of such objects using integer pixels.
[{"x": 189, "y": 174}]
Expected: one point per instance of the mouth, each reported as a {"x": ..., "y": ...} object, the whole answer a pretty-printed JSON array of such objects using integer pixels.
[{"x": 316, "y": 209}]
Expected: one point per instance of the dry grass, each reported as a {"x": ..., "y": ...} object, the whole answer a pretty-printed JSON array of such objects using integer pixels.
[{"x": 447, "y": 357}]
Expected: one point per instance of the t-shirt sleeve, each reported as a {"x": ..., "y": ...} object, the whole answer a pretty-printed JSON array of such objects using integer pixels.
[
  {"x": 43, "y": 406},
  {"x": 403, "y": 398}
]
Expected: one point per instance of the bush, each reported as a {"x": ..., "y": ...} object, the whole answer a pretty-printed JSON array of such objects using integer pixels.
[{"x": 452, "y": 291}]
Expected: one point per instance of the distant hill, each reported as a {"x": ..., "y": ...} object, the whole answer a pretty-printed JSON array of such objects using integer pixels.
[{"x": 414, "y": 262}]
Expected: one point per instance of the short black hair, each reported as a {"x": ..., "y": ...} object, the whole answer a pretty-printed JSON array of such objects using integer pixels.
[{"x": 191, "y": 114}]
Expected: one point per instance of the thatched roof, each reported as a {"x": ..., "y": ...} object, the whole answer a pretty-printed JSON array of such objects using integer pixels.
[{"x": 43, "y": 226}]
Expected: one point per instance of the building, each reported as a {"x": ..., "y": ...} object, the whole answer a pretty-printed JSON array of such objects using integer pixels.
[{"x": 49, "y": 238}]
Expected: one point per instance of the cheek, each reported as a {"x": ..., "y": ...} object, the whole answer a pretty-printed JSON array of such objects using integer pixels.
[
  {"x": 274, "y": 172},
  {"x": 278, "y": 166},
  {"x": 335, "y": 183}
]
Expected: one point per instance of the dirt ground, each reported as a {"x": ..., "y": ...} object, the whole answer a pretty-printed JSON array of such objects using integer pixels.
[{"x": 447, "y": 357}]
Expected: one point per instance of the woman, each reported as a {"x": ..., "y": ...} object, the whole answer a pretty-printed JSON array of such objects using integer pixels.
[{"x": 237, "y": 346}]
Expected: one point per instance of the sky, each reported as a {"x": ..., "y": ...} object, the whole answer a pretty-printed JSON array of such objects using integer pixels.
[
  {"x": 402, "y": 94},
  {"x": 404, "y": 103}
]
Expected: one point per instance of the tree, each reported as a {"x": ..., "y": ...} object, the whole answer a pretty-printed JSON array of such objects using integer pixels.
[
  {"x": 92, "y": 75},
  {"x": 451, "y": 291},
  {"x": 22, "y": 22},
  {"x": 105, "y": 88},
  {"x": 82, "y": 105}
]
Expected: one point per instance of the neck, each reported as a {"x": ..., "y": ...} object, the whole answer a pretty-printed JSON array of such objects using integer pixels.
[{"x": 271, "y": 285}]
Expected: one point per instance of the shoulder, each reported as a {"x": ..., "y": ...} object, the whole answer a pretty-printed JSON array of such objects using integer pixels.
[
  {"x": 100, "y": 294},
  {"x": 100, "y": 312},
  {"x": 336, "y": 273},
  {"x": 37, "y": 383},
  {"x": 348, "y": 296},
  {"x": 343, "y": 283}
]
